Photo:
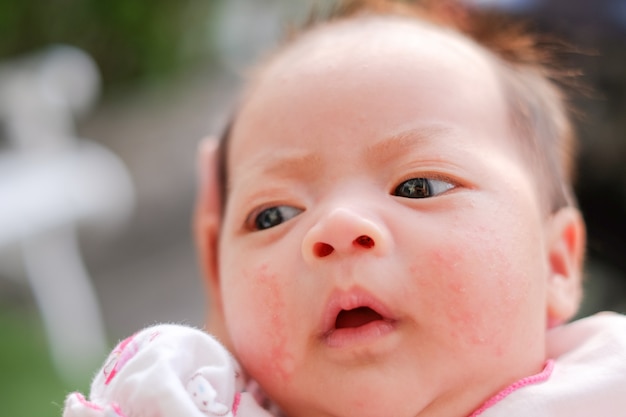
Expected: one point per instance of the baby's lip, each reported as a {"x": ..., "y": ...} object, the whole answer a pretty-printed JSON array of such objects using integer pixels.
[{"x": 353, "y": 309}]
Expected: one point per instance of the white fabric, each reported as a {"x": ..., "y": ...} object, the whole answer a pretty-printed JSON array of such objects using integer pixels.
[
  {"x": 172, "y": 371},
  {"x": 589, "y": 377},
  {"x": 167, "y": 371}
]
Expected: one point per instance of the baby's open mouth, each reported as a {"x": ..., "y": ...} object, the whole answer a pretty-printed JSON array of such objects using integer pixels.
[{"x": 356, "y": 317}]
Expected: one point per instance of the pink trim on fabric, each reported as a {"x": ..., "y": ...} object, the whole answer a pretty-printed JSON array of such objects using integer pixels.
[
  {"x": 122, "y": 345},
  {"x": 86, "y": 403},
  {"x": 124, "y": 352},
  {"x": 236, "y": 402},
  {"x": 118, "y": 410},
  {"x": 534, "y": 379},
  {"x": 115, "y": 407}
]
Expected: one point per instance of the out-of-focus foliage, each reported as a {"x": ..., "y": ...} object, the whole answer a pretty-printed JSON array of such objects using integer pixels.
[{"x": 129, "y": 39}]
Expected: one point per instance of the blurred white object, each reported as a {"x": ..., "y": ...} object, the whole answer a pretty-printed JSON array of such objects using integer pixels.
[{"x": 50, "y": 181}]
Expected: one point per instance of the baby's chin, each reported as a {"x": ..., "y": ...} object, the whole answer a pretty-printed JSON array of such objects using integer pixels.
[
  {"x": 372, "y": 398},
  {"x": 389, "y": 392},
  {"x": 371, "y": 403}
]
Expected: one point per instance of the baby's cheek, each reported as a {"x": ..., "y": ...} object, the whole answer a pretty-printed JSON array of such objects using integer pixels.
[
  {"x": 258, "y": 324},
  {"x": 470, "y": 292}
]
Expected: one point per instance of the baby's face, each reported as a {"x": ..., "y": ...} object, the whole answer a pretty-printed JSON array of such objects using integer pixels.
[{"x": 382, "y": 251}]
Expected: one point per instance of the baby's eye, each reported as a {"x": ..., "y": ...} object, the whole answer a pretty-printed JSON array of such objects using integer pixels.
[
  {"x": 273, "y": 216},
  {"x": 421, "y": 188}
]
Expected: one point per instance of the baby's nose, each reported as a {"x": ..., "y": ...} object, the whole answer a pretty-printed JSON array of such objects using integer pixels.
[{"x": 345, "y": 231}]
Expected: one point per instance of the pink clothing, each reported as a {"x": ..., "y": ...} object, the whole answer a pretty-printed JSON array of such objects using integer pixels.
[
  {"x": 172, "y": 371},
  {"x": 588, "y": 378}
]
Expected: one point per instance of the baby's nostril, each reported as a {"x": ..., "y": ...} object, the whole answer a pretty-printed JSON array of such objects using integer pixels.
[
  {"x": 365, "y": 241},
  {"x": 322, "y": 249}
]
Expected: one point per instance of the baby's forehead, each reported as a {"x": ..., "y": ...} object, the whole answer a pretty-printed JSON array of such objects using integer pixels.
[
  {"x": 384, "y": 59},
  {"x": 362, "y": 53},
  {"x": 364, "y": 40}
]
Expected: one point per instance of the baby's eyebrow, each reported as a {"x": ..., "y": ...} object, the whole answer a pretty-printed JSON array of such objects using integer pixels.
[
  {"x": 289, "y": 164},
  {"x": 398, "y": 143}
]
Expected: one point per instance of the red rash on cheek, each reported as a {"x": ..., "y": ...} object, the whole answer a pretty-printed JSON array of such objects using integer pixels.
[
  {"x": 459, "y": 288},
  {"x": 266, "y": 343}
]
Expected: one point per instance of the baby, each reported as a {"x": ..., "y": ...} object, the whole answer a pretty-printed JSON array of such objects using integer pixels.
[{"x": 387, "y": 228}]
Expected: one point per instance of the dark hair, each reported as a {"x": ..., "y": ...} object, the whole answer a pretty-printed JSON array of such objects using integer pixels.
[{"x": 525, "y": 62}]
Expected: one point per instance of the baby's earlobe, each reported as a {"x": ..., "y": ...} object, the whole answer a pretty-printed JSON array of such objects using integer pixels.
[
  {"x": 564, "y": 297},
  {"x": 566, "y": 247}
]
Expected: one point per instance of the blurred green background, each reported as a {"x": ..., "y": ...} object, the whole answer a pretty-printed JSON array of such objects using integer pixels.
[
  {"x": 132, "y": 40},
  {"x": 29, "y": 384},
  {"x": 170, "y": 71},
  {"x": 137, "y": 45}
]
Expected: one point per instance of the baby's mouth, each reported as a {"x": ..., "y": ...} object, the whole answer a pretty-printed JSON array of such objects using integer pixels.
[
  {"x": 356, "y": 326},
  {"x": 356, "y": 317}
]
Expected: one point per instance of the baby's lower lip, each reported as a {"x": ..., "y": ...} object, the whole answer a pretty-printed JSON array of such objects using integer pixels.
[{"x": 358, "y": 336}]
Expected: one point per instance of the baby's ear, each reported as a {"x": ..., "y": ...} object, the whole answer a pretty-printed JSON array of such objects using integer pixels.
[
  {"x": 566, "y": 249},
  {"x": 206, "y": 229}
]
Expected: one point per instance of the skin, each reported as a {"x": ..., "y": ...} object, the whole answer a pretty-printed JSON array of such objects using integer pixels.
[{"x": 464, "y": 282}]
